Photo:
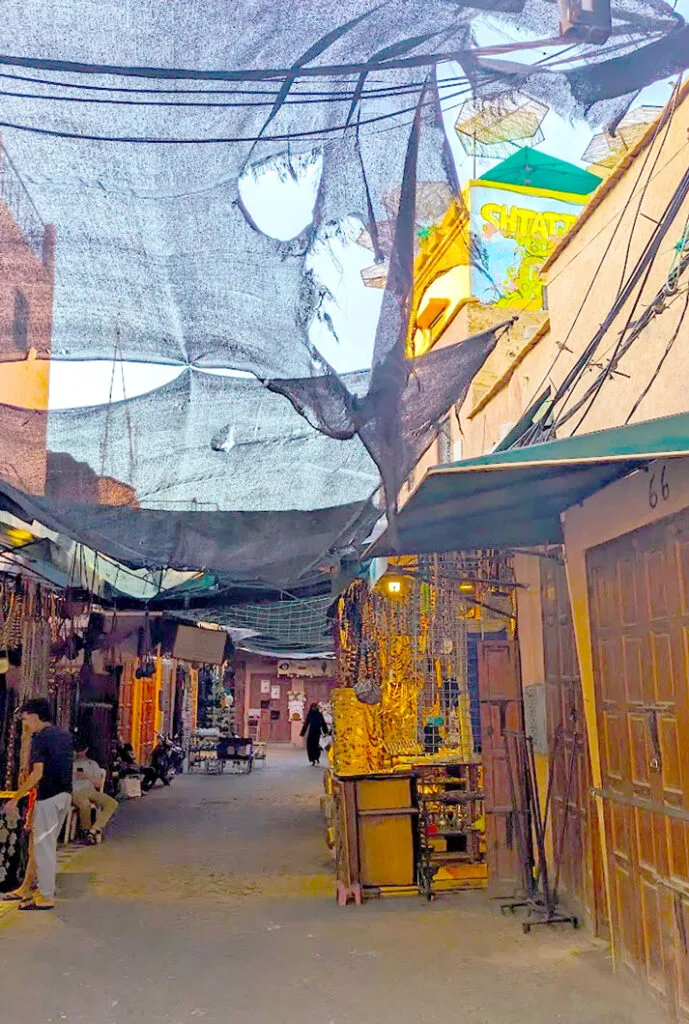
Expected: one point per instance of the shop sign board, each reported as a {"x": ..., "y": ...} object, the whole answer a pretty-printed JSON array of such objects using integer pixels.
[
  {"x": 312, "y": 669},
  {"x": 513, "y": 231}
]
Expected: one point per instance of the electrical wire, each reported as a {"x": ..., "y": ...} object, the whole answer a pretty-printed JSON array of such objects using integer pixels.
[
  {"x": 616, "y": 216},
  {"x": 294, "y": 98},
  {"x": 204, "y": 140},
  {"x": 642, "y": 285},
  {"x": 142, "y": 90},
  {"x": 264, "y": 74},
  {"x": 191, "y": 104},
  {"x": 666, "y": 353},
  {"x": 644, "y": 264},
  {"x": 641, "y": 268},
  {"x": 673, "y": 107},
  {"x": 559, "y": 394},
  {"x": 614, "y": 359}
]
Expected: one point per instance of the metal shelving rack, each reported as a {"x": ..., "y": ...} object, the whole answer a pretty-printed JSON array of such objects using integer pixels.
[{"x": 450, "y": 827}]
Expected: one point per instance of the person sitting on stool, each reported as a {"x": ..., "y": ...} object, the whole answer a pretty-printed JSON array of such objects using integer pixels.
[{"x": 87, "y": 775}]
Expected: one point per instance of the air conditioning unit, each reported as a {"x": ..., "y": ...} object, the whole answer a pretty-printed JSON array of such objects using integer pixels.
[{"x": 585, "y": 21}]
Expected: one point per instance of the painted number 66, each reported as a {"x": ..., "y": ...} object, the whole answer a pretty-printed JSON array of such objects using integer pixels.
[{"x": 653, "y": 495}]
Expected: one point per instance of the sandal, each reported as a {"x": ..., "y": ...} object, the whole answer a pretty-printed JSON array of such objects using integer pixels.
[
  {"x": 15, "y": 897},
  {"x": 33, "y": 905},
  {"x": 89, "y": 837}
]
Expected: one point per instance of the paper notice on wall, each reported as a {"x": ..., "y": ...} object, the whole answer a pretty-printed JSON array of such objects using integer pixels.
[
  {"x": 265, "y": 686},
  {"x": 275, "y": 692}
]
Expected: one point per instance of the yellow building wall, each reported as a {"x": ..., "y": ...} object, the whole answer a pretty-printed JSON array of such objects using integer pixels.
[{"x": 25, "y": 383}]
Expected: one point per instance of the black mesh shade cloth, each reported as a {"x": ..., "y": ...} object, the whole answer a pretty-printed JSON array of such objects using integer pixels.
[
  {"x": 159, "y": 256},
  {"x": 157, "y": 253},
  {"x": 398, "y": 418},
  {"x": 200, "y": 475}
]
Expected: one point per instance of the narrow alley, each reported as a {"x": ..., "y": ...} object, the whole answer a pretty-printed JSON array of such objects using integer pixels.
[{"x": 214, "y": 900}]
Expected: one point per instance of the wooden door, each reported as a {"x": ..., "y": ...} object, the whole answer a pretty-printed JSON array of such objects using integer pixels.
[
  {"x": 147, "y": 737},
  {"x": 573, "y": 817},
  {"x": 125, "y": 704},
  {"x": 639, "y": 594},
  {"x": 502, "y": 712},
  {"x": 317, "y": 691},
  {"x": 269, "y": 695}
]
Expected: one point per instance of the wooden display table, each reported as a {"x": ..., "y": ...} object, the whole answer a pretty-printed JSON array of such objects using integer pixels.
[{"x": 374, "y": 834}]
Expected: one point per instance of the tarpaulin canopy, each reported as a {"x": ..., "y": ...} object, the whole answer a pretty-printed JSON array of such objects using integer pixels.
[
  {"x": 532, "y": 169},
  {"x": 515, "y": 498}
]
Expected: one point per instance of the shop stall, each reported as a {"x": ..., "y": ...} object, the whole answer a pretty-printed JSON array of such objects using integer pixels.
[{"x": 404, "y": 799}]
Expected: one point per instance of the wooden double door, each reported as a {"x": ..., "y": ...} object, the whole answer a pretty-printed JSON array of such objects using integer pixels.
[{"x": 639, "y": 601}]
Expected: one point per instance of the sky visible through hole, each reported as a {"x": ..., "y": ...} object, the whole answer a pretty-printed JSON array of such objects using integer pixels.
[{"x": 281, "y": 201}]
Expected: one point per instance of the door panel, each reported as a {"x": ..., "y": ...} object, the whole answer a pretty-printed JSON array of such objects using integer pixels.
[
  {"x": 644, "y": 721},
  {"x": 581, "y": 876},
  {"x": 501, "y": 711}
]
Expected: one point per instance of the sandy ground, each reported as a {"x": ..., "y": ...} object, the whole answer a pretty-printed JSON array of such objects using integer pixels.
[{"x": 213, "y": 901}]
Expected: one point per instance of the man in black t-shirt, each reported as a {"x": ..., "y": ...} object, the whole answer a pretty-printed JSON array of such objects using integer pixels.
[{"x": 51, "y": 774}]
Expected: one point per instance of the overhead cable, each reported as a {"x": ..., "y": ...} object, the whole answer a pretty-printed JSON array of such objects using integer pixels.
[
  {"x": 632, "y": 313},
  {"x": 314, "y": 133},
  {"x": 257, "y": 74},
  {"x": 268, "y": 74},
  {"x": 661, "y": 363},
  {"x": 298, "y": 89},
  {"x": 629, "y": 336},
  {"x": 560, "y": 393},
  {"x": 294, "y": 99},
  {"x": 645, "y": 259}
]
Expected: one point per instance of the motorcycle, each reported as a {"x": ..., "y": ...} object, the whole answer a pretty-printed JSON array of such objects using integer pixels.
[
  {"x": 177, "y": 755},
  {"x": 161, "y": 766}
]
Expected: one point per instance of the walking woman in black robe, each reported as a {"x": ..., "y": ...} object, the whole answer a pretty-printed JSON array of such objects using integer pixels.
[{"x": 314, "y": 727}]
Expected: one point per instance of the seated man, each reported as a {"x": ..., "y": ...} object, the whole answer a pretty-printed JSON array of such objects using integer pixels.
[{"x": 86, "y": 777}]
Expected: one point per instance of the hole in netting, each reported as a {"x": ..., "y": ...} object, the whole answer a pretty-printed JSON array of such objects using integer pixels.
[
  {"x": 279, "y": 194},
  {"x": 77, "y": 384},
  {"x": 343, "y": 326}
]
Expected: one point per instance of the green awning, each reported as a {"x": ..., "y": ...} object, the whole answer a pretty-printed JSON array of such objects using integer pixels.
[
  {"x": 515, "y": 498},
  {"x": 541, "y": 170}
]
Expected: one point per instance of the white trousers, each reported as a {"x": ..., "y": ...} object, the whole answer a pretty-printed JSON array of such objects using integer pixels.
[{"x": 48, "y": 820}]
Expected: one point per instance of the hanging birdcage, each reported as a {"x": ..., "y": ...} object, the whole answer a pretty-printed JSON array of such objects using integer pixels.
[{"x": 495, "y": 127}]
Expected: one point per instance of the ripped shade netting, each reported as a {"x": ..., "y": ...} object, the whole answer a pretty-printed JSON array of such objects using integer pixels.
[
  {"x": 183, "y": 476},
  {"x": 285, "y": 626},
  {"x": 138, "y": 129}
]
